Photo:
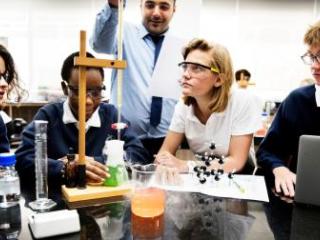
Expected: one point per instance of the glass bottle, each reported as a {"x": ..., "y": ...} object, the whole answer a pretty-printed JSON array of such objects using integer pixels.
[
  {"x": 70, "y": 173},
  {"x": 115, "y": 162},
  {"x": 9, "y": 181}
]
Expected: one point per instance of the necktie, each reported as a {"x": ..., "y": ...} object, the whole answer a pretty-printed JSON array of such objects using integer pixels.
[{"x": 156, "y": 102}]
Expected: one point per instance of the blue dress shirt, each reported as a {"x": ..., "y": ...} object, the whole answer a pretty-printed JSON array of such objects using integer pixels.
[{"x": 139, "y": 52}]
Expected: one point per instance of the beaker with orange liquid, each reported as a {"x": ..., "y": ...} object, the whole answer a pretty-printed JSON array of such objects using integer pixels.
[{"x": 147, "y": 204}]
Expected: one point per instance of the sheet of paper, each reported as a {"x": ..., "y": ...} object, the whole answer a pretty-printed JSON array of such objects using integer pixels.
[
  {"x": 164, "y": 82},
  {"x": 254, "y": 187},
  {"x": 185, "y": 26}
]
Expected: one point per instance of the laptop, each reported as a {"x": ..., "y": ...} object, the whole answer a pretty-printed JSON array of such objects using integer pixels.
[
  {"x": 304, "y": 223},
  {"x": 307, "y": 189}
]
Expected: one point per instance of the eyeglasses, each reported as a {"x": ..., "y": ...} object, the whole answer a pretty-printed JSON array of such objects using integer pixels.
[
  {"x": 309, "y": 58},
  {"x": 94, "y": 93},
  {"x": 196, "y": 68},
  {"x": 4, "y": 76}
]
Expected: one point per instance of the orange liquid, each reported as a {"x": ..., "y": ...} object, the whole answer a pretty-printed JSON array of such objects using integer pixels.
[
  {"x": 147, "y": 208},
  {"x": 146, "y": 227}
]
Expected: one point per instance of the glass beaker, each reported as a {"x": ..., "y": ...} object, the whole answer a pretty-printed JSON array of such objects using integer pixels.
[{"x": 147, "y": 204}]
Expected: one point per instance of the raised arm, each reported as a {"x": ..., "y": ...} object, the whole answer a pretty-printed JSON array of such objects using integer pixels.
[
  {"x": 103, "y": 38},
  {"x": 113, "y": 3}
]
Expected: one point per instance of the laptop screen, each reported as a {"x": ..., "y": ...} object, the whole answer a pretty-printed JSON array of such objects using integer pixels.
[{"x": 308, "y": 170}]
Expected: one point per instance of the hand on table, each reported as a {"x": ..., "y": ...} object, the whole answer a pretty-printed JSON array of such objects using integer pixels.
[
  {"x": 285, "y": 182},
  {"x": 167, "y": 159},
  {"x": 167, "y": 175}
]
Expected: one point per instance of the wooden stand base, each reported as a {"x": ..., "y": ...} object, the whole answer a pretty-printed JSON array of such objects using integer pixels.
[{"x": 94, "y": 192}]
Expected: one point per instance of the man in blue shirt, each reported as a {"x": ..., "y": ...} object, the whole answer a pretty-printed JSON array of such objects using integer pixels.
[
  {"x": 141, "y": 46},
  {"x": 298, "y": 114}
]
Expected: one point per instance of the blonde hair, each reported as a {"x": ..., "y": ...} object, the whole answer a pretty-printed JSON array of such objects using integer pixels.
[
  {"x": 220, "y": 59},
  {"x": 312, "y": 36}
]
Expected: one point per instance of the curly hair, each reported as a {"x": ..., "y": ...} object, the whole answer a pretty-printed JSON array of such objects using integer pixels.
[
  {"x": 312, "y": 36},
  {"x": 12, "y": 77}
]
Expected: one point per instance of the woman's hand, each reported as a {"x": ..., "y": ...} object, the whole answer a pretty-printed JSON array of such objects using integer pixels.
[
  {"x": 167, "y": 175},
  {"x": 285, "y": 181},
  {"x": 167, "y": 159}
]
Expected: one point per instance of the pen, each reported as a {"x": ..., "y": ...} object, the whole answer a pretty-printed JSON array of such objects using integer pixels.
[
  {"x": 231, "y": 177},
  {"x": 242, "y": 190}
]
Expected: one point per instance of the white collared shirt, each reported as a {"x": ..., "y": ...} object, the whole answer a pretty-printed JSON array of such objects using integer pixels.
[
  {"x": 93, "y": 121},
  {"x": 241, "y": 117},
  {"x": 5, "y": 117},
  {"x": 317, "y": 95}
]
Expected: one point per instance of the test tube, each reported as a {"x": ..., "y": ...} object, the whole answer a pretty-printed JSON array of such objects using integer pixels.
[{"x": 42, "y": 202}]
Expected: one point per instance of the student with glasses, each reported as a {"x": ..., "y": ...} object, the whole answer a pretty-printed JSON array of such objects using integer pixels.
[
  {"x": 210, "y": 111},
  {"x": 9, "y": 88},
  {"x": 63, "y": 133},
  {"x": 297, "y": 115}
]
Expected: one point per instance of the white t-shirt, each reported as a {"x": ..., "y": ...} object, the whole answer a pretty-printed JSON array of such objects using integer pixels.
[
  {"x": 241, "y": 117},
  {"x": 251, "y": 90}
]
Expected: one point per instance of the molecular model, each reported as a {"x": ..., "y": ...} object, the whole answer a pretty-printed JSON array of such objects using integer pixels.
[{"x": 202, "y": 171}]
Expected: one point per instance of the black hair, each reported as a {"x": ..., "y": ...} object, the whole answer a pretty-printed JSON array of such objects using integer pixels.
[
  {"x": 9, "y": 64},
  {"x": 11, "y": 74},
  {"x": 68, "y": 66},
  {"x": 245, "y": 73}
]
